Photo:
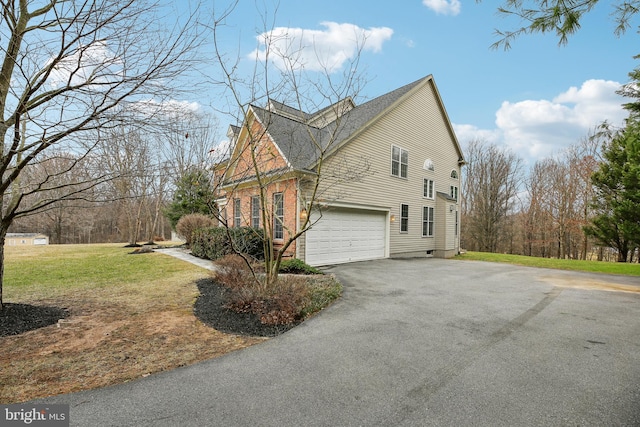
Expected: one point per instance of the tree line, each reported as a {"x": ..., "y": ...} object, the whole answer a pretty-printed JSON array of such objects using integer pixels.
[
  {"x": 137, "y": 170},
  {"x": 582, "y": 203}
]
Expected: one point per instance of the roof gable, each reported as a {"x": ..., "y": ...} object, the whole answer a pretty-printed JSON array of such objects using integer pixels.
[
  {"x": 302, "y": 138},
  {"x": 264, "y": 151},
  {"x": 365, "y": 115}
]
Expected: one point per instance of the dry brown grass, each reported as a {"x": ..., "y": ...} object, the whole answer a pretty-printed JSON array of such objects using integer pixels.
[{"x": 114, "y": 334}]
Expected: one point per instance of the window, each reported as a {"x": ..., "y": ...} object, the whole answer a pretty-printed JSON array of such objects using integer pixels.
[
  {"x": 236, "y": 212},
  {"x": 457, "y": 221},
  {"x": 278, "y": 216},
  {"x": 404, "y": 218},
  {"x": 255, "y": 211},
  {"x": 454, "y": 174},
  {"x": 427, "y": 221},
  {"x": 399, "y": 161},
  {"x": 225, "y": 217},
  {"x": 454, "y": 192},
  {"x": 428, "y": 165},
  {"x": 428, "y": 188}
]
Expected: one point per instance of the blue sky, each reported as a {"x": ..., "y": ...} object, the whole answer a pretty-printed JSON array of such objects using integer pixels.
[{"x": 536, "y": 98}]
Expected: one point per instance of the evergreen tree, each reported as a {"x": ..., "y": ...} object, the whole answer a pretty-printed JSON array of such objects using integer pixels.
[
  {"x": 194, "y": 194},
  {"x": 617, "y": 188}
]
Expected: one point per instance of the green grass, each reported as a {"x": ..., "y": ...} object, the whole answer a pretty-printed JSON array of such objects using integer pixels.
[
  {"x": 560, "y": 264},
  {"x": 137, "y": 308},
  {"x": 50, "y": 271}
]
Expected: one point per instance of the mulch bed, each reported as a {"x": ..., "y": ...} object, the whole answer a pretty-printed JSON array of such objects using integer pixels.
[
  {"x": 209, "y": 308},
  {"x": 18, "y": 318}
]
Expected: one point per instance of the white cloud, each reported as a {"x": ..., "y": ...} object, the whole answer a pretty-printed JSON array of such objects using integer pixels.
[
  {"x": 220, "y": 152},
  {"x": 467, "y": 133},
  {"x": 443, "y": 7},
  {"x": 93, "y": 63},
  {"x": 171, "y": 108},
  {"x": 317, "y": 50},
  {"x": 536, "y": 129}
]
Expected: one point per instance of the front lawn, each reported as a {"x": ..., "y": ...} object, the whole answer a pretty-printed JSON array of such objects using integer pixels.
[{"x": 128, "y": 316}]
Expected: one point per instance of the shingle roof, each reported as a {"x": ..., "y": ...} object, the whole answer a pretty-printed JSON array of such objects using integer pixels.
[
  {"x": 294, "y": 139},
  {"x": 302, "y": 144}
]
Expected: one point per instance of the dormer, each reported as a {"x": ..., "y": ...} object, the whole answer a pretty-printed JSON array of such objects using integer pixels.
[
  {"x": 286, "y": 111},
  {"x": 232, "y": 134},
  {"x": 332, "y": 112}
]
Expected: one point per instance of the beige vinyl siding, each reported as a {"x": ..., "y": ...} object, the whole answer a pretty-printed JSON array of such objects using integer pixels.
[
  {"x": 418, "y": 125},
  {"x": 446, "y": 241}
]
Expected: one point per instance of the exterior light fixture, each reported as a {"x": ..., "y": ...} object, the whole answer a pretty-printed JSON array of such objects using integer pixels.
[
  {"x": 392, "y": 218},
  {"x": 303, "y": 214}
]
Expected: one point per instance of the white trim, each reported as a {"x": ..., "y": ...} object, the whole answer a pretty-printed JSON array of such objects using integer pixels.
[
  {"x": 325, "y": 205},
  {"x": 365, "y": 208},
  {"x": 433, "y": 189},
  {"x": 428, "y": 165},
  {"x": 408, "y": 216},
  {"x": 432, "y": 211},
  {"x": 274, "y": 214},
  {"x": 399, "y": 162},
  {"x": 233, "y": 156}
]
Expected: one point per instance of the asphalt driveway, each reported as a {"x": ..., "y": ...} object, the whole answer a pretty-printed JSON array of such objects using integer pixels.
[{"x": 416, "y": 343}]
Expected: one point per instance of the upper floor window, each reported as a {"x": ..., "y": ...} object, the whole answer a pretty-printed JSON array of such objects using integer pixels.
[
  {"x": 236, "y": 212},
  {"x": 278, "y": 216},
  {"x": 399, "y": 161},
  {"x": 404, "y": 218},
  {"x": 454, "y": 192},
  {"x": 454, "y": 174},
  {"x": 255, "y": 211},
  {"x": 428, "y": 188}
]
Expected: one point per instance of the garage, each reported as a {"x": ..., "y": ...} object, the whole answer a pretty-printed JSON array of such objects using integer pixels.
[{"x": 346, "y": 235}]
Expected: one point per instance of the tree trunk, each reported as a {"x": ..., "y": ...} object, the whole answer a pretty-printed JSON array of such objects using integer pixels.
[
  {"x": 622, "y": 255},
  {"x": 3, "y": 235}
]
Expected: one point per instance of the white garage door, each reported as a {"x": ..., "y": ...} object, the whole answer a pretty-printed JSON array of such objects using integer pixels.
[{"x": 346, "y": 235}]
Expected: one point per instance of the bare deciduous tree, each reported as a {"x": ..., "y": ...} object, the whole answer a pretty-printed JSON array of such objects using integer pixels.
[
  {"x": 187, "y": 140},
  {"x": 127, "y": 156},
  {"x": 490, "y": 186},
  {"x": 266, "y": 92},
  {"x": 60, "y": 187},
  {"x": 70, "y": 68},
  {"x": 558, "y": 202}
]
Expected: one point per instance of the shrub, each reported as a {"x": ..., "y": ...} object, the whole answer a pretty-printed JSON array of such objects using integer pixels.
[
  {"x": 296, "y": 266},
  {"x": 285, "y": 301},
  {"x": 215, "y": 242},
  {"x": 289, "y": 300},
  {"x": 234, "y": 273},
  {"x": 188, "y": 224},
  {"x": 322, "y": 293}
]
